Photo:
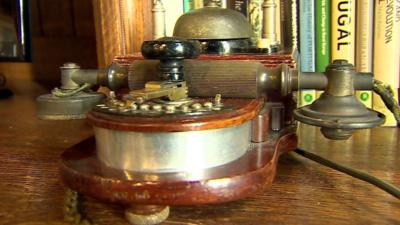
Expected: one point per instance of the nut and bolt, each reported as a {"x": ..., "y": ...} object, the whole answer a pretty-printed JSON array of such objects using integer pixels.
[
  {"x": 196, "y": 106},
  {"x": 185, "y": 108},
  {"x": 157, "y": 107},
  {"x": 170, "y": 108},
  {"x": 144, "y": 107},
  {"x": 208, "y": 105},
  {"x": 217, "y": 100}
]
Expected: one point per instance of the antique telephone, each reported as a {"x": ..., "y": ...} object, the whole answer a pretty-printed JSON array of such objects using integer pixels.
[{"x": 185, "y": 127}]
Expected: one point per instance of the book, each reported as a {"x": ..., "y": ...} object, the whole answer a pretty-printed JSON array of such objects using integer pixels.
[
  {"x": 322, "y": 36},
  {"x": 278, "y": 21},
  {"x": 239, "y": 5},
  {"x": 220, "y": 3},
  {"x": 198, "y": 4},
  {"x": 286, "y": 24},
  {"x": 256, "y": 17},
  {"x": 188, "y": 5},
  {"x": 343, "y": 30},
  {"x": 307, "y": 46},
  {"x": 386, "y": 52},
  {"x": 173, "y": 10},
  {"x": 294, "y": 23},
  {"x": 364, "y": 44}
]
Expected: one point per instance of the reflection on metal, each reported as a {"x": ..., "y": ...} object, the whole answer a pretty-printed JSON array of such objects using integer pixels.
[
  {"x": 213, "y": 22},
  {"x": 51, "y": 107},
  {"x": 171, "y": 151}
]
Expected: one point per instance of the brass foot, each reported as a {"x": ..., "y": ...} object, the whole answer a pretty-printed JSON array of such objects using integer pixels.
[{"x": 146, "y": 214}]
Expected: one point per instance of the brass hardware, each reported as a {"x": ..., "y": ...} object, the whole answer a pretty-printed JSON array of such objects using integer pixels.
[
  {"x": 213, "y": 23},
  {"x": 157, "y": 89},
  {"x": 338, "y": 112}
]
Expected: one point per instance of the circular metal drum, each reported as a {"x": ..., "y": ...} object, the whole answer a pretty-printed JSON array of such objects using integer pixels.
[
  {"x": 180, "y": 142},
  {"x": 171, "y": 151}
]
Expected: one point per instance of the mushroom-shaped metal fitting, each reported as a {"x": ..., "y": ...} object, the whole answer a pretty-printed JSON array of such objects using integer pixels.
[{"x": 213, "y": 22}]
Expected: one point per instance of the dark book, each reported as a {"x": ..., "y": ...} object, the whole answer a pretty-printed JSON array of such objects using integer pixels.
[{"x": 239, "y": 5}]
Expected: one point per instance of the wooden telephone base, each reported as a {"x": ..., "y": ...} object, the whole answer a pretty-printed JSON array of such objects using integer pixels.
[{"x": 145, "y": 193}]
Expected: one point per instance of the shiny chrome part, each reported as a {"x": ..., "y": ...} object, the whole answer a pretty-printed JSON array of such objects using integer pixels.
[{"x": 171, "y": 151}]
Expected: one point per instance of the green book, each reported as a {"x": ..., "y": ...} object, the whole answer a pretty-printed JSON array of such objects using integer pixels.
[
  {"x": 188, "y": 5},
  {"x": 322, "y": 34}
]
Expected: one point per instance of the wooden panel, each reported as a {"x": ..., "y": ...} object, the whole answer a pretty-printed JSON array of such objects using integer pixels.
[
  {"x": 36, "y": 24},
  {"x": 83, "y": 18},
  {"x": 121, "y": 27},
  {"x": 57, "y": 17},
  {"x": 50, "y": 53},
  {"x": 16, "y": 70}
]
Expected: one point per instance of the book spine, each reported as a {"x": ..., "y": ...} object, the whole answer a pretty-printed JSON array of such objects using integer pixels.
[
  {"x": 173, "y": 10},
  {"x": 188, "y": 5},
  {"x": 286, "y": 18},
  {"x": 239, "y": 5},
  {"x": 364, "y": 44},
  {"x": 386, "y": 51},
  {"x": 198, "y": 4},
  {"x": 295, "y": 27},
  {"x": 255, "y": 17},
  {"x": 224, "y": 3},
  {"x": 307, "y": 46},
  {"x": 278, "y": 21},
  {"x": 322, "y": 36},
  {"x": 220, "y": 3},
  {"x": 343, "y": 30}
]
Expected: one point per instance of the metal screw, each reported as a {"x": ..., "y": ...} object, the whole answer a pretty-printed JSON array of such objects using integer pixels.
[
  {"x": 208, "y": 105},
  {"x": 196, "y": 106},
  {"x": 112, "y": 95},
  {"x": 157, "y": 107},
  {"x": 133, "y": 106},
  {"x": 170, "y": 108},
  {"x": 144, "y": 107},
  {"x": 70, "y": 65},
  {"x": 185, "y": 108},
  {"x": 217, "y": 100}
]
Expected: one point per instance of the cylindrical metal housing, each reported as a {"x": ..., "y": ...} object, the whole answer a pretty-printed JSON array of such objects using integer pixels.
[
  {"x": 319, "y": 81},
  {"x": 87, "y": 76},
  {"x": 171, "y": 151},
  {"x": 208, "y": 78},
  {"x": 340, "y": 76},
  {"x": 67, "y": 71}
]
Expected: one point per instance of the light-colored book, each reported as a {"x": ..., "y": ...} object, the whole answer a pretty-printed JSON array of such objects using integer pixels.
[
  {"x": 386, "y": 52},
  {"x": 173, "y": 10},
  {"x": 364, "y": 44}
]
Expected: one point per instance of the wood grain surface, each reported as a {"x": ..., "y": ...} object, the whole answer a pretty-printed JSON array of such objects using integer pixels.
[
  {"x": 303, "y": 193},
  {"x": 243, "y": 110}
]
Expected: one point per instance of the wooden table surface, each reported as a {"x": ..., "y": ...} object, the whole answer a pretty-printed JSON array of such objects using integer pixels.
[{"x": 303, "y": 192}]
